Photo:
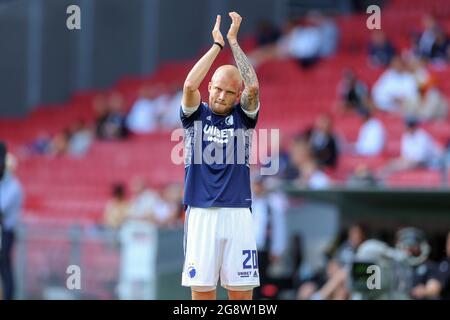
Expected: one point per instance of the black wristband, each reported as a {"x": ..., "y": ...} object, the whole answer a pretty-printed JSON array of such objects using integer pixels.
[{"x": 221, "y": 46}]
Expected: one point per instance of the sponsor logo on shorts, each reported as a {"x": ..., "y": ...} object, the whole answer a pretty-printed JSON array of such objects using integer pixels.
[{"x": 244, "y": 274}]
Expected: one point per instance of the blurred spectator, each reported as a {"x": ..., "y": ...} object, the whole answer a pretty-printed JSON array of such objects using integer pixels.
[
  {"x": 381, "y": 51},
  {"x": 139, "y": 244},
  {"x": 168, "y": 207},
  {"x": 431, "y": 104},
  {"x": 353, "y": 93},
  {"x": 418, "y": 149},
  {"x": 328, "y": 286},
  {"x": 266, "y": 33},
  {"x": 11, "y": 202},
  {"x": 440, "y": 50},
  {"x": 306, "y": 42},
  {"x": 42, "y": 144},
  {"x": 362, "y": 177},
  {"x": 309, "y": 174},
  {"x": 169, "y": 111},
  {"x": 143, "y": 116},
  {"x": 80, "y": 139},
  {"x": 418, "y": 68},
  {"x": 428, "y": 37},
  {"x": 142, "y": 203},
  {"x": 323, "y": 142},
  {"x": 395, "y": 87},
  {"x": 371, "y": 136},
  {"x": 444, "y": 271},
  {"x": 269, "y": 215},
  {"x": 116, "y": 209},
  {"x": 345, "y": 253},
  {"x": 329, "y": 32},
  {"x": 303, "y": 44},
  {"x": 425, "y": 282},
  {"x": 60, "y": 143},
  {"x": 110, "y": 119},
  {"x": 334, "y": 286}
]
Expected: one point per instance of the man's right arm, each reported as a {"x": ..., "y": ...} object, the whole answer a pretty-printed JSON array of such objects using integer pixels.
[{"x": 191, "y": 94}]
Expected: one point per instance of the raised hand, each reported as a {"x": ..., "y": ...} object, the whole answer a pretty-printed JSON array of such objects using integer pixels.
[
  {"x": 217, "y": 35},
  {"x": 234, "y": 28}
]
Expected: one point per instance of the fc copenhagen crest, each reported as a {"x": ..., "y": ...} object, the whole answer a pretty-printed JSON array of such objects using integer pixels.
[{"x": 229, "y": 120}]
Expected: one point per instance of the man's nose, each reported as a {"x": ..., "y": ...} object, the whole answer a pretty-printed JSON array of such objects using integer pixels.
[{"x": 222, "y": 96}]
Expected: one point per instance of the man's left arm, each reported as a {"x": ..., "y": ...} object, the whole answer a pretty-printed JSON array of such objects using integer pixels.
[{"x": 250, "y": 95}]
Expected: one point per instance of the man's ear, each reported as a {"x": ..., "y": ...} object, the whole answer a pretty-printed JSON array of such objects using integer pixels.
[
  {"x": 238, "y": 98},
  {"x": 209, "y": 86}
]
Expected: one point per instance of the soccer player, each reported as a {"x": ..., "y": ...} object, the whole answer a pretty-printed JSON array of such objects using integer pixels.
[{"x": 219, "y": 230}]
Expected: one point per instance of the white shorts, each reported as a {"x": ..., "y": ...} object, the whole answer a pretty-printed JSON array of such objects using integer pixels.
[{"x": 220, "y": 241}]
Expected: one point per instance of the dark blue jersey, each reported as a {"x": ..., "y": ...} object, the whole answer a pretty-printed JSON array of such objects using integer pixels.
[{"x": 217, "y": 150}]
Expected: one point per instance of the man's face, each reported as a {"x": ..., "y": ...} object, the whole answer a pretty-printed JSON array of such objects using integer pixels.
[{"x": 223, "y": 94}]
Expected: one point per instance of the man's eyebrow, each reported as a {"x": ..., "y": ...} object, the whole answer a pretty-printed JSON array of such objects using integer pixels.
[{"x": 228, "y": 91}]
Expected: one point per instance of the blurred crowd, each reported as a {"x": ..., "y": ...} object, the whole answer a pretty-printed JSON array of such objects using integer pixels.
[
  {"x": 155, "y": 108},
  {"x": 418, "y": 277},
  {"x": 161, "y": 208}
]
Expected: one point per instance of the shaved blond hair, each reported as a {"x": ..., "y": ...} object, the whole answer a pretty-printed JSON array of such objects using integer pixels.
[{"x": 230, "y": 71}]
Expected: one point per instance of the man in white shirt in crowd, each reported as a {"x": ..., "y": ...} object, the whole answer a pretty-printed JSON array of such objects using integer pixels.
[
  {"x": 395, "y": 87},
  {"x": 143, "y": 116},
  {"x": 418, "y": 149},
  {"x": 371, "y": 136}
]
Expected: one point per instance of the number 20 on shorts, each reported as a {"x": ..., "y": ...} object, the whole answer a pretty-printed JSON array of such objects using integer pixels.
[{"x": 250, "y": 255}]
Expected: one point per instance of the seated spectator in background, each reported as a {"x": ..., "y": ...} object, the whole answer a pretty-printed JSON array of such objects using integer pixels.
[
  {"x": 431, "y": 104},
  {"x": 303, "y": 44},
  {"x": 353, "y": 93},
  {"x": 100, "y": 107},
  {"x": 371, "y": 136},
  {"x": 169, "y": 111},
  {"x": 110, "y": 120},
  {"x": 328, "y": 31},
  {"x": 362, "y": 177},
  {"x": 427, "y": 39},
  {"x": 380, "y": 49},
  {"x": 418, "y": 150},
  {"x": 60, "y": 143},
  {"x": 116, "y": 209},
  {"x": 80, "y": 140},
  {"x": 145, "y": 205},
  {"x": 440, "y": 50},
  {"x": 42, "y": 144},
  {"x": 418, "y": 68},
  {"x": 306, "y": 42},
  {"x": 169, "y": 205},
  {"x": 395, "y": 87},
  {"x": 266, "y": 33},
  {"x": 331, "y": 285},
  {"x": 444, "y": 272},
  {"x": 143, "y": 116},
  {"x": 309, "y": 174},
  {"x": 323, "y": 142}
]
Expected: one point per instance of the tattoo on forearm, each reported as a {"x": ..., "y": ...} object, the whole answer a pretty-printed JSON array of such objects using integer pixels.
[
  {"x": 249, "y": 97},
  {"x": 244, "y": 66}
]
